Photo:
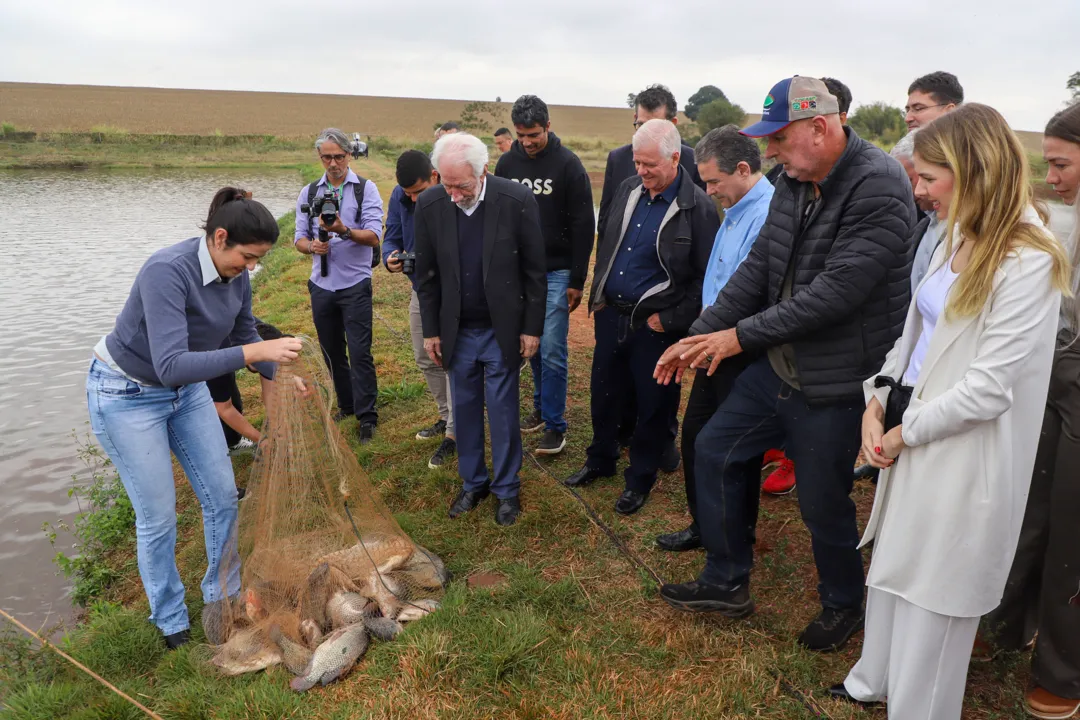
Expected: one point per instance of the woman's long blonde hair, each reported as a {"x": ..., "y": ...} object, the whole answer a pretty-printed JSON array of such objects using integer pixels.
[{"x": 991, "y": 194}]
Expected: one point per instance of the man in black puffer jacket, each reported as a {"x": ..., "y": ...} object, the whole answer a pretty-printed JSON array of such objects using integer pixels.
[{"x": 820, "y": 300}]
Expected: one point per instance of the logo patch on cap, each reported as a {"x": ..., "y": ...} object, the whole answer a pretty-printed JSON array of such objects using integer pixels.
[
  {"x": 769, "y": 100},
  {"x": 804, "y": 103}
]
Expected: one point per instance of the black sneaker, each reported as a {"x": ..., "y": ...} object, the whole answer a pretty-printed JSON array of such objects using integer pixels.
[
  {"x": 367, "y": 433},
  {"x": 177, "y": 639},
  {"x": 447, "y": 449},
  {"x": 701, "y": 597},
  {"x": 241, "y": 493},
  {"x": 532, "y": 423},
  {"x": 439, "y": 428},
  {"x": 831, "y": 629},
  {"x": 552, "y": 443}
]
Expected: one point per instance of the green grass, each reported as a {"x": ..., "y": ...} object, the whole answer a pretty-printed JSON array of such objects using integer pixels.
[{"x": 576, "y": 631}]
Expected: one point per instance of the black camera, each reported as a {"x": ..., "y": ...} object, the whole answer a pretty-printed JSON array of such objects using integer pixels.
[
  {"x": 324, "y": 206},
  {"x": 408, "y": 262}
]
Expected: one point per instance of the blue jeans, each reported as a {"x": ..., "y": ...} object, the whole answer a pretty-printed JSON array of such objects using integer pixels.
[
  {"x": 550, "y": 366},
  {"x": 479, "y": 376},
  {"x": 138, "y": 426},
  {"x": 761, "y": 412}
]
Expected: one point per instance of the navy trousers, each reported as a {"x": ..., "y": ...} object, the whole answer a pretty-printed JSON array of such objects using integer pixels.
[
  {"x": 761, "y": 412},
  {"x": 479, "y": 376},
  {"x": 624, "y": 357},
  {"x": 343, "y": 321}
]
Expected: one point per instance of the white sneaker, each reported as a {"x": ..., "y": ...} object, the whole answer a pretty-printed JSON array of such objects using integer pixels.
[{"x": 244, "y": 446}]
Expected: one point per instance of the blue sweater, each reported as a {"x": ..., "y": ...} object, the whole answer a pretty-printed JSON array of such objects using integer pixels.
[{"x": 178, "y": 317}]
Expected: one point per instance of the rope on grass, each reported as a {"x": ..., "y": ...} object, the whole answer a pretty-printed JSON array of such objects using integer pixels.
[{"x": 79, "y": 665}]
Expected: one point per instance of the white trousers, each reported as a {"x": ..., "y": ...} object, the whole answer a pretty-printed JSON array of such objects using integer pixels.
[{"x": 915, "y": 658}]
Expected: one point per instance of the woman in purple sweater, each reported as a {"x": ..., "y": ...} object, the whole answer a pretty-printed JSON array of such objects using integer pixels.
[{"x": 188, "y": 319}]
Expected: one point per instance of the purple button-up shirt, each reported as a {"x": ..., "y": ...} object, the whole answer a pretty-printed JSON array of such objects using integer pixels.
[{"x": 350, "y": 262}]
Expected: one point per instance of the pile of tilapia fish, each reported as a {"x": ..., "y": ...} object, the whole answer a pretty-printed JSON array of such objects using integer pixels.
[{"x": 321, "y": 629}]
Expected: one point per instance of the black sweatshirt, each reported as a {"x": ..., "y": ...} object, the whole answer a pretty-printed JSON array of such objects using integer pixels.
[{"x": 563, "y": 192}]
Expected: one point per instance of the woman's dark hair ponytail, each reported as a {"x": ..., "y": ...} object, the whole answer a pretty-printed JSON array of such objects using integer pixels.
[{"x": 246, "y": 221}]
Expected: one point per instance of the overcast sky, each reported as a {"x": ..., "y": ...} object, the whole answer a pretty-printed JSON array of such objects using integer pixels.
[{"x": 1013, "y": 55}]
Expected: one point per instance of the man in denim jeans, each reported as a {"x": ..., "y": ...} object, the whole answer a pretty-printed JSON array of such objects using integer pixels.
[{"x": 558, "y": 180}]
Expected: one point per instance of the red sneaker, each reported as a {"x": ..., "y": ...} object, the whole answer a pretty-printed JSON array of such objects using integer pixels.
[
  {"x": 782, "y": 479},
  {"x": 773, "y": 456}
]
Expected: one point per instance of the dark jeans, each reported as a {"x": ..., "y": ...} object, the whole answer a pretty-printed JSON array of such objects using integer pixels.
[
  {"x": 479, "y": 376},
  {"x": 628, "y": 415},
  {"x": 343, "y": 320},
  {"x": 231, "y": 436},
  {"x": 626, "y": 358},
  {"x": 763, "y": 412},
  {"x": 706, "y": 394},
  {"x": 1043, "y": 590}
]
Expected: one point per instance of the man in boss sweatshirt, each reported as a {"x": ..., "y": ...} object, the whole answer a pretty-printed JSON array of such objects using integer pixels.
[{"x": 538, "y": 160}]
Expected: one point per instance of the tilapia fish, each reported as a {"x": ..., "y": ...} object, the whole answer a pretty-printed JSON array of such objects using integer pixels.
[
  {"x": 367, "y": 564},
  {"x": 383, "y": 629},
  {"x": 247, "y": 650},
  {"x": 348, "y": 608},
  {"x": 334, "y": 658},
  {"x": 416, "y": 609},
  {"x": 322, "y": 583},
  {"x": 294, "y": 655}
]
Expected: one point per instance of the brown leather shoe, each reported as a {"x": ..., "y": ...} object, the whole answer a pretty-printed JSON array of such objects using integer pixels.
[
  {"x": 982, "y": 651},
  {"x": 1046, "y": 705}
]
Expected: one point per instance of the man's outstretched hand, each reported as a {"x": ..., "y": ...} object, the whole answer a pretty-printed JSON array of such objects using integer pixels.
[{"x": 699, "y": 351}]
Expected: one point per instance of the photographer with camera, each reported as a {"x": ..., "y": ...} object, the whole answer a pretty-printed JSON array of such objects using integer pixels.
[
  {"x": 339, "y": 223},
  {"x": 415, "y": 174}
]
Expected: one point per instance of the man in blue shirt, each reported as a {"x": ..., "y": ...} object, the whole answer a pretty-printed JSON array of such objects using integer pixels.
[
  {"x": 415, "y": 174},
  {"x": 646, "y": 292},
  {"x": 730, "y": 165},
  {"x": 341, "y": 299}
]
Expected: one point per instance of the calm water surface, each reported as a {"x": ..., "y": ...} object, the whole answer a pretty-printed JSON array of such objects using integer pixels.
[{"x": 71, "y": 243}]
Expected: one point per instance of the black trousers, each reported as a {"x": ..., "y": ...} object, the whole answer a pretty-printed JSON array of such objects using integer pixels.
[
  {"x": 625, "y": 357},
  {"x": 1043, "y": 590},
  {"x": 343, "y": 322},
  {"x": 231, "y": 436},
  {"x": 706, "y": 394}
]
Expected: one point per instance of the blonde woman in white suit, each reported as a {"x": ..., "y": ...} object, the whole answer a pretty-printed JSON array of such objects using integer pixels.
[{"x": 975, "y": 357}]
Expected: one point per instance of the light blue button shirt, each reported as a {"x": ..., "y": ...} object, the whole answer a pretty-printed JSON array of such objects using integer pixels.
[{"x": 736, "y": 236}]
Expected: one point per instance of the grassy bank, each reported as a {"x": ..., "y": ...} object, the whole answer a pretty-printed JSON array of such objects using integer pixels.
[{"x": 576, "y": 631}]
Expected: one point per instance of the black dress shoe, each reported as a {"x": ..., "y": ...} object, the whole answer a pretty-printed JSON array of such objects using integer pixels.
[
  {"x": 839, "y": 692},
  {"x": 584, "y": 476},
  {"x": 177, "y": 639},
  {"x": 671, "y": 460},
  {"x": 507, "y": 511},
  {"x": 467, "y": 501},
  {"x": 688, "y": 539},
  {"x": 630, "y": 502},
  {"x": 703, "y": 597}
]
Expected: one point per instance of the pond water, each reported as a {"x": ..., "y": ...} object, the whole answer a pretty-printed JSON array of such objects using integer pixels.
[{"x": 72, "y": 242}]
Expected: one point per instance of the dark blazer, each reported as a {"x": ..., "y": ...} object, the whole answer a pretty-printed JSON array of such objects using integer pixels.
[
  {"x": 683, "y": 246},
  {"x": 515, "y": 267},
  {"x": 620, "y": 165}
]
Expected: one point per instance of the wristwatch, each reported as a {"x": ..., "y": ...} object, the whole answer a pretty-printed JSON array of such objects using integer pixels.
[{"x": 348, "y": 233}]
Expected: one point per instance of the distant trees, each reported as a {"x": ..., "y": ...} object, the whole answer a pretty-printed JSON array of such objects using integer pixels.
[
  {"x": 704, "y": 96},
  {"x": 878, "y": 121},
  {"x": 478, "y": 116},
  {"x": 1073, "y": 86},
  {"x": 718, "y": 113},
  {"x": 631, "y": 100}
]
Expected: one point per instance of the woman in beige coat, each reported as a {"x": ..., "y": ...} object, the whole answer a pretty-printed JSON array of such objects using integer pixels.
[{"x": 975, "y": 356}]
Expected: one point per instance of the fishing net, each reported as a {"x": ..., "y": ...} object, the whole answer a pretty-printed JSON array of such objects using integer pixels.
[{"x": 319, "y": 550}]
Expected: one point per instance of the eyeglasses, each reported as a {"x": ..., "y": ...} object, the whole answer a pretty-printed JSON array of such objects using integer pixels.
[
  {"x": 463, "y": 188},
  {"x": 333, "y": 158},
  {"x": 638, "y": 124},
  {"x": 918, "y": 109}
]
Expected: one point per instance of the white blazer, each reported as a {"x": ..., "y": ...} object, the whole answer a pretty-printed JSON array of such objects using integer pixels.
[{"x": 947, "y": 515}]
